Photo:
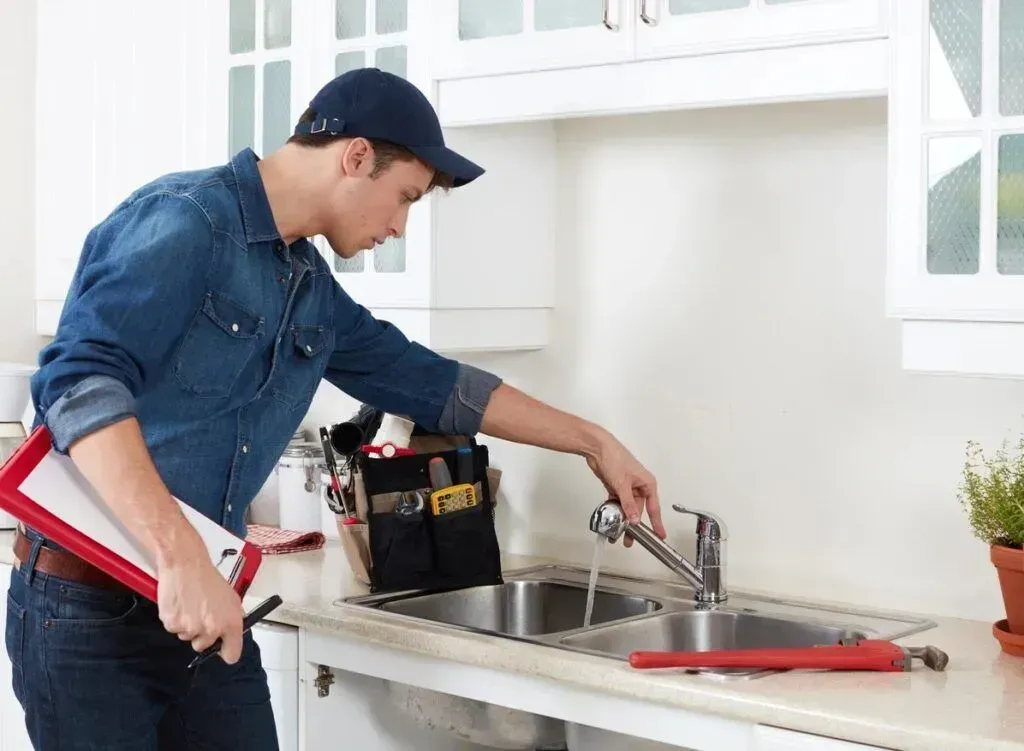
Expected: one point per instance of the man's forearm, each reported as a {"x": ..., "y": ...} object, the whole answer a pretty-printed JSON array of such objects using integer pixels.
[
  {"x": 515, "y": 416},
  {"x": 115, "y": 460}
]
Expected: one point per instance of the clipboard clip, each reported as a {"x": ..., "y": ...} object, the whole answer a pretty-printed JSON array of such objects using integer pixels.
[{"x": 256, "y": 615}]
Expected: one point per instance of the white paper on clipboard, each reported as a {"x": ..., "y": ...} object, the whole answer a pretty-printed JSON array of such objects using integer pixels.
[{"x": 57, "y": 485}]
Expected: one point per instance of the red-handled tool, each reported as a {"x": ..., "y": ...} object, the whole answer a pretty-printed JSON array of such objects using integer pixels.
[
  {"x": 866, "y": 654},
  {"x": 387, "y": 449}
]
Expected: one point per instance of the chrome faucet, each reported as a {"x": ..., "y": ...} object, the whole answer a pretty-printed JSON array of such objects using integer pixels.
[{"x": 707, "y": 577}]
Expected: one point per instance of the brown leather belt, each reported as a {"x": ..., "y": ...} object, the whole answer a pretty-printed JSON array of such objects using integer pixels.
[{"x": 63, "y": 564}]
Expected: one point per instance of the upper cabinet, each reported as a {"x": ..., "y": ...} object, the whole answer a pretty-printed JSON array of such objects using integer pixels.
[
  {"x": 514, "y": 60},
  {"x": 484, "y": 37},
  {"x": 956, "y": 256},
  {"x": 673, "y": 27}
]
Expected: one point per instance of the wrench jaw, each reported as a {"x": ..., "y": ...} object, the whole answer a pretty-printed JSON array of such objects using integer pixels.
[{"x": 932, "y": 657}]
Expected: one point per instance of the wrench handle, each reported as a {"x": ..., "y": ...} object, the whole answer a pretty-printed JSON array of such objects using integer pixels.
[{"x": 876, "y": 656}]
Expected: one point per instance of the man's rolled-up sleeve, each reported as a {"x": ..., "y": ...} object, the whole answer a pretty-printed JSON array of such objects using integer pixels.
[
  {"x": 374, "y": 362},
  {"x": 141, "y": 273}
]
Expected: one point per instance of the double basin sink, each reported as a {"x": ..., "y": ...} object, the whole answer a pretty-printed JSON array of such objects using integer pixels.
[{"x": 546, "y": 604}]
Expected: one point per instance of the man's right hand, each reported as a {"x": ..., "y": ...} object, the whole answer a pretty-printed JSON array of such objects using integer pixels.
[{"x": 197, "y": 603}]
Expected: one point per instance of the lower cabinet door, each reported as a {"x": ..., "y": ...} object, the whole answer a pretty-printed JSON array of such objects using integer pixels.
[{"x": 279, "y": 652}]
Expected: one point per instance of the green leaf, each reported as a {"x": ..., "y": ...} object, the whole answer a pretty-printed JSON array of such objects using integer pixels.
[{"x": 992, "y": 493}]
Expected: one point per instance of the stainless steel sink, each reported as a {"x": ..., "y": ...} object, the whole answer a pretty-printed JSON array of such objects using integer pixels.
[
  {"x": 544, "y": 605},
  {"x": 521, "y": 608},
  {"x": 705, "y": 630}
]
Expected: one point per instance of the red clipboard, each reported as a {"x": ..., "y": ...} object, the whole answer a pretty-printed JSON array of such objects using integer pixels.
[{"x": 44, "y": 490}]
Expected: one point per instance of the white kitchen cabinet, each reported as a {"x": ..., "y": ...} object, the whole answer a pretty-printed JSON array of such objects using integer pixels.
[
  {"x": 609, "y": 57},
  {"x": 279, "y": 654},
  {"x": 355, "y": 711},
  {"x": 468, "y": 274},
  {"x": 485, "y": 37},
  {"x": 956, "y": 252},
  {"x": 132, "y": 77},
  {"x": 13, "y": 735},
  {"x": 693, "y": 27}
]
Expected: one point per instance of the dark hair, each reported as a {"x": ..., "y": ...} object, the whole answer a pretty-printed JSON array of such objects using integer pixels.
[{"x": 385, "y": 152}]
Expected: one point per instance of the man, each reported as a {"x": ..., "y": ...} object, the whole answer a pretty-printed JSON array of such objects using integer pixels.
[{"x": 196, "y": 330}]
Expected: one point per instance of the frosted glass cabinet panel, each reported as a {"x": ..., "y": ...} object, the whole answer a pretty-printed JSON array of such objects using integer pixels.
[
  {"x": 674, "y": 27},
  {"x": 366, "y": 33},
  {"x": 957, "y": 237},
  {"x": 480, "y": 37},
  {"x": 256, "y": 63},
  {"x": 684, "y": 7}
]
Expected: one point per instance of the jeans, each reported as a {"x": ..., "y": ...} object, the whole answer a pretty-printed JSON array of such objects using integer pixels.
[{"x": 95, "y": 669}]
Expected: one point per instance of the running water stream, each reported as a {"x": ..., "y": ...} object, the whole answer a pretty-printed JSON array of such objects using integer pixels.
[{"x": 595, "y": 565}]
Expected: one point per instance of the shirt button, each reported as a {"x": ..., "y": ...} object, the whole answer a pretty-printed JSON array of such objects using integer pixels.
[
  {"x": 245, "y": 449},
  {"x": 279, "y": 246},
  {"x": 308, "y": 348},
  {"x": 229, "y": 508},
  {"x": 234, "y": 327},
  {"x": 281, "y": 280}
]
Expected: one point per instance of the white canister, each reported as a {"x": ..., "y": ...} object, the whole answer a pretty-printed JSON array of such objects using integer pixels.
[
  {"x": 298, "y": 487},
  {"x": 15, "y": 394}
]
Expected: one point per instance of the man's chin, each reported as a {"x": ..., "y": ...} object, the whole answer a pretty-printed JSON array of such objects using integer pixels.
[{"x": 344, "y": 252}]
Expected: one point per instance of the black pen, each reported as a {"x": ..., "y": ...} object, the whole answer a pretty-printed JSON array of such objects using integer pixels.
[{"x": 258, "y": 613}]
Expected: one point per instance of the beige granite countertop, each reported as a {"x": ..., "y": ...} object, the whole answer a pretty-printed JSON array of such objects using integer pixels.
[{"x": 977, "y": 704}]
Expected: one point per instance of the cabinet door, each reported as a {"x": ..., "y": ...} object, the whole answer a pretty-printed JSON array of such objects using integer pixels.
[
  {"x": 259, "y": 80},
  {"x": 482, "y": 37},
  {"x": 957, "y": 168},
  {"x": 134, "y": 76},
  {"x": 679, "y": 27},
  {"x": 363, "y": 712},
  {"x": 385, "y": 34}
]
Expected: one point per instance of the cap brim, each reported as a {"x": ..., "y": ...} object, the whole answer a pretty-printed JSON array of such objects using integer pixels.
[{"x": 445, "y": 160}]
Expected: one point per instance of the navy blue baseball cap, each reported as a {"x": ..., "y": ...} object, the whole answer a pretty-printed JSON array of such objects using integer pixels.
[{"x": 372, "y": 103}]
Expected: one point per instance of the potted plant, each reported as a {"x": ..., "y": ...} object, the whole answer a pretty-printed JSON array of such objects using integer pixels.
[{"x": 992, "y": 493}]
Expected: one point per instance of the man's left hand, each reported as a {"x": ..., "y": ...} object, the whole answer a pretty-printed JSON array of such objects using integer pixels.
[
  {"x": 515, "y": 416},
  {"x": 629, "y": 482}
]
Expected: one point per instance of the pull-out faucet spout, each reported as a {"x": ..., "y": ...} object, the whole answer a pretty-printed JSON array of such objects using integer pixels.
[{"x": 707, "y": 577}]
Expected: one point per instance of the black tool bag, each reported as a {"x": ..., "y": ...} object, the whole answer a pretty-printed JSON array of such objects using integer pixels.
[{"x": 400, "y": 542}]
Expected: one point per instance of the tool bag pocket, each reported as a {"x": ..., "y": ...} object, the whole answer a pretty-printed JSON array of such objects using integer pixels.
[{"x": 401, "y": 541}]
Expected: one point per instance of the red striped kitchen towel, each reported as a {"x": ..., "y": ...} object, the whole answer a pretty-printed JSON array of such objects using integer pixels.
[{"x": 274, "y": 541}]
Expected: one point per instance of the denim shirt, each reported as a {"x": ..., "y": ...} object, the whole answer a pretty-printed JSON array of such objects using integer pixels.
[{"x": 188, "y": 311}]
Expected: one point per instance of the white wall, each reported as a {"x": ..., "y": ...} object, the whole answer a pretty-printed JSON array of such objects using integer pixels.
[
  {"x": 721, "y": 309},
  {"x": 18, "y": 342}
]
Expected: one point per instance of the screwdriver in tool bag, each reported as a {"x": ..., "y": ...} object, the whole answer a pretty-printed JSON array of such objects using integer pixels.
[{"x": 448, "y": 497}]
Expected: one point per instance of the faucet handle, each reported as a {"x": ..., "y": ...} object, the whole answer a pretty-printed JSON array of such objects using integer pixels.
[{"x": 708, "y": 524}]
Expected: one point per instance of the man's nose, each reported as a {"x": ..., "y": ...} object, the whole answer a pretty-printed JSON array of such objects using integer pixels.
[{"x": 396, "y": 227}]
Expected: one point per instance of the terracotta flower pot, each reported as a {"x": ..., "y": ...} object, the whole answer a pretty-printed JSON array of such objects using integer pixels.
[{"x": 1009, "y": 563}]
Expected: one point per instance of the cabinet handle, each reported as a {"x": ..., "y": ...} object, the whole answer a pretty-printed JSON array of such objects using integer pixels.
[
  {"x": 648, "y": 18},
  {"x": 610, "y": 23}
]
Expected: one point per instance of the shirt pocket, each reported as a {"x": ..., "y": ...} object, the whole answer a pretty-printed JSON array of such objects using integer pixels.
[
  {"x": 303, "y": 359},
  {"x": 217, "y": 347}
]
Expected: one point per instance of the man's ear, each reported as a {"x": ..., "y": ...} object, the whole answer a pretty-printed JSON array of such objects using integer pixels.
[{"x": 357, "y": 158}]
